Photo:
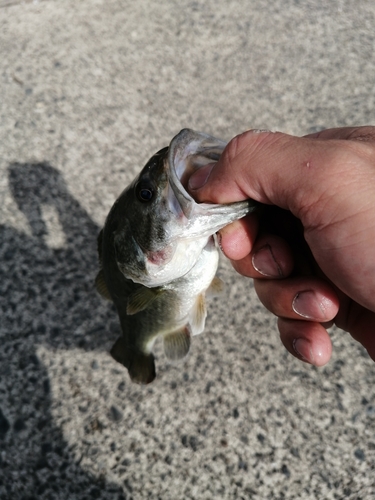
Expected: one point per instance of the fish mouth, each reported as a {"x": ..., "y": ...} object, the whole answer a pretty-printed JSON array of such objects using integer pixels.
[{"x": 188, "y": 152}]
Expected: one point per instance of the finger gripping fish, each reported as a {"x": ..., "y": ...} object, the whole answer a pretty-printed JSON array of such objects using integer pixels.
[{"x": 158, "y": 256}]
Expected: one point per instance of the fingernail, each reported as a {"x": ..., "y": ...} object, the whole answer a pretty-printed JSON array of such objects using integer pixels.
[
  {"x": 303, "y": 349},
  {"x": 265, "y": 263},
  {"x": 200, "y": 177},
  {"x": 308, "y": 305}
]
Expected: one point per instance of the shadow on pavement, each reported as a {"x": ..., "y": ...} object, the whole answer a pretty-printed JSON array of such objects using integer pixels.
[{"x": 46, "y": 297}]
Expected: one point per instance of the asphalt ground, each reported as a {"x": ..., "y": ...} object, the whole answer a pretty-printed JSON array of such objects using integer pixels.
[{"x": 89, "y": 90}]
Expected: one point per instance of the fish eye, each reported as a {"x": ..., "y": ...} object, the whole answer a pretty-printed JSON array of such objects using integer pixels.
[{"x": 145, "y": 192}]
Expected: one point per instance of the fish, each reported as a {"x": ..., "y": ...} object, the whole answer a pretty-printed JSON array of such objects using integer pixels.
[{"x": 158, "y": 254}]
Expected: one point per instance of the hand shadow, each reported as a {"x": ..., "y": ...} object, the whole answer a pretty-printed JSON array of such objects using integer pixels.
[{"x": 46, "y": 297}]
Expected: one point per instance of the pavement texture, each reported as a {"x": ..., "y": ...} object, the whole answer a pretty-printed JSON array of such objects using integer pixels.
[{"x": 89, "y": 90}]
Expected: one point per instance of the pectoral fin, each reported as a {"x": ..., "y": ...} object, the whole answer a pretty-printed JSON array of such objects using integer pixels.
[
  {"x": 197, "y": 316},
  {"x": 141, "y": 366},
  {"x": 101, "y": 286},
  {"x": 216, "y": 288},
  {"x": 141, "y": 299},
  {"x": 177, "y": 344}
]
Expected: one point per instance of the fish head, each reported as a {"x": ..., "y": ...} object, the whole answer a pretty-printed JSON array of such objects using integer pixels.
[
  {"x": 140, "y": 217},
  {"x": 161, "y": 230}
]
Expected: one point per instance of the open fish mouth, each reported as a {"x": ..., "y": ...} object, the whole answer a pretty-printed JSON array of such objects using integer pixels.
[{"x": 188, "y": 152}]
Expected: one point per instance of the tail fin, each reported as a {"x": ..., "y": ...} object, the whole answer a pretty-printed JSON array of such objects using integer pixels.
[{"x": 141, "y": 367}]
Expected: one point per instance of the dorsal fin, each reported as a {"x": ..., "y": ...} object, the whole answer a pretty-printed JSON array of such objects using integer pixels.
[
  {"x": 141, "y": 366},
  {"x": 101, "y": 286},
  {"x": 197, "y": 316},
  {"x": 141, "y": 299},
  {"x": 177, "y": 344}
]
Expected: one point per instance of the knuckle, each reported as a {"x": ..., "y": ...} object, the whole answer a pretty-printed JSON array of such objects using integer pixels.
[
  {"x": 365, "y": 134},
  {"x": 357, "y": 153},
  {"x": 249, "y": 144}
]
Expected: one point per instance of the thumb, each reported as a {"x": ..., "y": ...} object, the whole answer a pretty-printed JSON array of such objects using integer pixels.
[
  {"x": 294, "y": 173},
  {"x": 251, "y": 166}
]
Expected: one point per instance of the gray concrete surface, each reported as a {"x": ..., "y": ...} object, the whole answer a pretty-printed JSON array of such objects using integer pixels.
[{"x": 88, "y": 91}]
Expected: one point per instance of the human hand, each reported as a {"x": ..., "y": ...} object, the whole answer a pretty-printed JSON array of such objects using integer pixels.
[{"x": 311, "y": 251}]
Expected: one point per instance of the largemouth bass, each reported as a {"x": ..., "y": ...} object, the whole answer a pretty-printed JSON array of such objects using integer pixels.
[{"x": 158, "y": 256}]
